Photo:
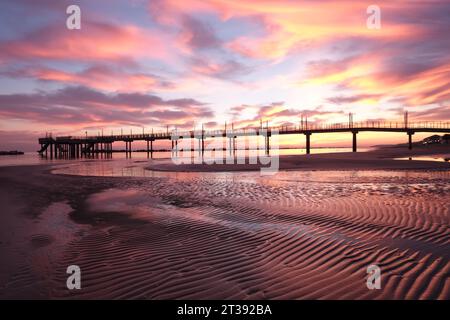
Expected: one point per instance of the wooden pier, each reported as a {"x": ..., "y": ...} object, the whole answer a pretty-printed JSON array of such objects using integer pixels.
[{"x": 77, "y": 146}]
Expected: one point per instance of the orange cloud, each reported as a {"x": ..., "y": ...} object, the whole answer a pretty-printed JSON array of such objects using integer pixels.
[
  {"x": 427, "y": 87},
  {"x": 277, "y": 114},
  {"x": 291, "y": 25}
]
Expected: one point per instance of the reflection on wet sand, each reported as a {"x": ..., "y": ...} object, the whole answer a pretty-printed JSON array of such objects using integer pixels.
[
  {"x": 297, "y": 234},
  {"x": 137, "y": 233}
]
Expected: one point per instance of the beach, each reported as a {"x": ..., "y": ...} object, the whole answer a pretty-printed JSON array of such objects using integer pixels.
[
  {"x": 205, "y": 232},
  {"x": 383, "y": 158}
]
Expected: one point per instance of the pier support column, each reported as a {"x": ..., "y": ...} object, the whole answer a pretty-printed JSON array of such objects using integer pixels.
[
  {"x": 355, "y": 148},
  {"x": 410, "y": 134},
  {"x": 203, "y": 144},
  {"x": 267, "y": 144},
  {"x": 308, "y": 142},
  {"x": 151, "y": 149}
]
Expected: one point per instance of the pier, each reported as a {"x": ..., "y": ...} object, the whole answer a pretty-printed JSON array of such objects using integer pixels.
[{"x": 79, "y": 146}]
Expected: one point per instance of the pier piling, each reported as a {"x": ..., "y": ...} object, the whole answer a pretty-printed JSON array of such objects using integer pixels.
[
  {"x": 410, "y": 134},
  {"x": 354, "y": 149},
  {"x": 308, "y": 142}
]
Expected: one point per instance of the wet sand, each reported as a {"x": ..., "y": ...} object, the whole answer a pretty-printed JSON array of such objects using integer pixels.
[
  {"x": 296, "y": 235},
  {"x": 384, "y": 158}
]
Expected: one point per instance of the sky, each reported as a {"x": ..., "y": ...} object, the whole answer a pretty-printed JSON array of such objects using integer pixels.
[{"x": 141, "y": 65}]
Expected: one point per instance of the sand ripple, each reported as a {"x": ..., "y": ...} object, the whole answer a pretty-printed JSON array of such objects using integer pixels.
[{"x": 240, "y": 236}]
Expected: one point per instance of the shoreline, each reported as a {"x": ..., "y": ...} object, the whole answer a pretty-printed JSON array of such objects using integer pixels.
[{"x": 379, "y": 159}]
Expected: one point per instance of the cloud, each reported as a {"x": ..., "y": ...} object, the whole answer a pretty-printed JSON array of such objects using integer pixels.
[
  {"x": 81, "y": 106},
  {"x": 353, "y": 99},
  {"x": 227, "y": 69},
  {"x": 277, "y": 114},
  {"x": 102, "y": 77},
  {"x": 291, "y": 25},
  {"x": 431, "y": 114},
  {"x": 96, "y": 41},
  {"x": 406, "y": 58},
  {"x": 198, "y": 35},
  {"x": 380, "y": 76}
]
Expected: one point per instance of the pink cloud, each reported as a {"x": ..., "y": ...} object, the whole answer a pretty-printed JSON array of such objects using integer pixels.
[
  {"x": 101, "y": 77},
  {"x": 291, "y": 25},
  {"x": 96, "y": 41},
  {"x": 80, "y": 107}
]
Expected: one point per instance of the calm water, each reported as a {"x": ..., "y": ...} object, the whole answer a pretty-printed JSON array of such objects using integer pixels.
[
  {"x": 32, "y": 158},
  {"x": 437, "y": 157},
  {"x": 136, "y": 168},
  {"x": 120, "y": 166}
]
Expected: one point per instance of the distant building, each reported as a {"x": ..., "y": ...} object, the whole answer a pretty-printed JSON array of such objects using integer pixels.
[{"x": 434, "y": 139}]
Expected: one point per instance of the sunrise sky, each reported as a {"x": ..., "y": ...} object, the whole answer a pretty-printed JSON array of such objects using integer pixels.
[{"x": 147, "y": 64}]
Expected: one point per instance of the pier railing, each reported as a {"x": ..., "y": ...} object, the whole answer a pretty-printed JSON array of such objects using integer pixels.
[
  {"x": 283, "y": 129},
  {"x": 78, "y": 145}
]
